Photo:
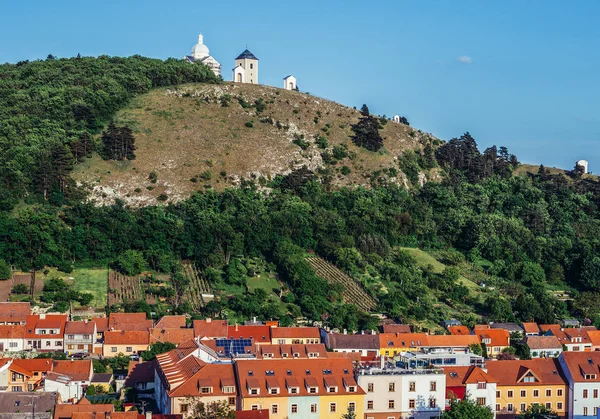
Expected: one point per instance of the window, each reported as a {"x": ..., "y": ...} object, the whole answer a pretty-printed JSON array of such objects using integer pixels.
[
  {"x": 183, "y": 408},
  {"x": 481, "y": 401},
  {"x": 71, "y": 337},
  {"x": 17, "y": 389},
  {"x": 332, "y": 407},
  {"x": 113, "y": 349},
  {"x": 274, "y": 408},
  {"x": 549, "y": 393},
  {"x": 313, "y": 390},
  {"x": 274, "y": 391},
  {"x": 523, "y": 393},
  {"x": 332, "y": 389},
  {"x": 313, "y": 408},
  {"x": 497, "y": 407},
  {"x": 392, "y": 387},
  {"x": 13, "y": 344},
  {"x": 251, "y": 66},
  {"x": 497, "y": 394},
  {"x": 228, "y": 389},
  {"x": 585, "y": 411},
  {"x": 294, "y": 408},
  {"x": 411, "y": 386},
  {"x": 510, "y": 393},
  {"x": 231, "y": 401},
  {"x": 254, "y": 407},
  {"x": 595, "y": 393},
  {"x": 205, "y": 390},
  {"x": 86, "y": 336},
  {"x": 351, "y": 407},
  {"x": 128, "y": 349},
  {"x": 369, "y": 404},
  {"x": 47, "y": 343},
  {"x": 294, "y": 390},
  {"x": 58, "y": 343},
  {"x": 351, "y": 389},
  {"x": 509, "y": 407},
  {"x": 481, "y": 386},
  {"x": 432, "y": 403},
  {"x": 559, "y": 392},
  {"x": 549, "y": 406},
  {"x": 559, "y": 406},
  {"x": 585, "y": 393},
  {"x": 370, "y": 387},
  {"x": 536, "y": 393},
  {"x": 411, "y": 404},
  {"x": 523, "y": 407},
  {"x": 433, "y": 386},
  {"x": 391, "y": 404}
]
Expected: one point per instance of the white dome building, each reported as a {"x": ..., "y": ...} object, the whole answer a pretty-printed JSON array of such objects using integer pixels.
[{"x": 201, "y": 53}]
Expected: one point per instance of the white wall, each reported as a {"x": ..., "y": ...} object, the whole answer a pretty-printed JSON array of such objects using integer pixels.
[
  {"x": 489, "y": 393},
  {"x": 72, "y": 389},
  {"x": 20, "y": 345}
]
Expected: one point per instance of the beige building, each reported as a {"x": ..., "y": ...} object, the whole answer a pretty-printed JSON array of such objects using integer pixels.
[
  {"x": 125, "y": 342},
  {"x": 246, "y": 68}
]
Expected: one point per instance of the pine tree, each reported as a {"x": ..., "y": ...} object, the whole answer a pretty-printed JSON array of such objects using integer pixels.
[
  {"x": 364, "y": 110},
  {"x": 62, "y": 164}
]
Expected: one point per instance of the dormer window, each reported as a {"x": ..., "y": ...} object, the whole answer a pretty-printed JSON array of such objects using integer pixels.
[
  {"x": 351, "y": 389},
  {"x": 313, "y": 354},
  {"x": 294, "y": 390},
  {"x": 487, "y": 341},
  {"x": 332, "y": 390},
  {"x": 274, "y": 390},
  {"x": 268, "y": 355},
  {"x": 313, "y": 390},
  {"x": 253, "y": 391},
  {"x": 205, "y": 390},
  {"x": 296, "y": 355},
  {"x": 590, "y": 376},
  {"x": 284, "y": 355},
  {"x": 228, "y": 389}
]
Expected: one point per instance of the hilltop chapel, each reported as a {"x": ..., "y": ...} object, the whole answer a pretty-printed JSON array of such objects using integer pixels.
[
  {"x": 246, "y": 68},
  {"x": 200, "y": 53}
]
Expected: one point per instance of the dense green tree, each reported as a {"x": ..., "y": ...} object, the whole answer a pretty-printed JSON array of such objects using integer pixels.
[
  {"x": 131, "y": 262},
  {"x": 467, "y": 409},
  {"x": 211, "y": 410},
  {"x": 538, "y": 411},
  {"x": 366, "y": 133},
  {"x": 5, "y": 271}
]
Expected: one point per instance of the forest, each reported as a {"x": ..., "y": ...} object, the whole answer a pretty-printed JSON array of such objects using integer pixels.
[{"x": 528, "y": 235}]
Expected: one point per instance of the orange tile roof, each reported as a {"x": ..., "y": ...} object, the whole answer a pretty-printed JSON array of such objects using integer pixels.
[
  {"x": 14, "y": 312},
  {"x": 34, "y": 364},
  {"x": 260, "y": 334},
  {"x": 126, "y": 338},
  {"x": 594, "y": 337},
  {"x": 12, "y": 331},
  {"x": 101, "y": 323},
  {"x": 582, "y": 363},
  {"x": 175, "y": 336},
  {"x": 63, "y": 411},
  {"x": 498, "y": 337},
  {"x": 459, "y": 330},
  {"x": 288, "y": 351},
  {"x": 216, "y": 376},
  {"x": 403, "y": 340},
  {"x": 511, "y": 373},
  {"x": 396, "y": 328},
  {"x": 295, "y": 333},
  {"x": 178, "y": 365},
  {"x": 77, "y": 370},
  {"x": 171, "y": 322},
  {"x": 314, "y": 372},
  {"x": 447, "y": 341},
  {"x": 80, "y": 328},
  {"x": 571, "y": 335},
  {"x": 531, "y": 327},
  {"x": 139, "y": 372},
  {"x": 50, "y": 321},
  {"x": 460, "y": 376},
  {"x": 548, "y": 327},
  {"x": 481, "y": 327},
  {"x": 537, "y": 343}
]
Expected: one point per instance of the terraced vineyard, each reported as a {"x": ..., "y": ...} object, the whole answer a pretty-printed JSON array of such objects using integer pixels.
[
  {"x": 123, "y": 288},
  {"x": 200, "y": 291},
  {"x": 353, "y": 292}
]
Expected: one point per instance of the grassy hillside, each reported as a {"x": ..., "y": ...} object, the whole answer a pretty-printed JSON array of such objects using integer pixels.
[{"x": 204, "y": 135}]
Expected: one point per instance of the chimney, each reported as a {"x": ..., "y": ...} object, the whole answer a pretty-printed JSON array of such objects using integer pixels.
[
  {"x": 372, "y": 331},
  {"x": 149, "y": 415},
  {"x": 382, "y": 361},
  {"x": 345, "y": 331},
  {"x": 85, "y": 321},
  {"x": 236, "y": 327},
  {"x": 208, "y": 320},
  {"x": 72, "y": 360},
  {"x": 42, "y": 316},
  {"x": 362, "y": 332}
]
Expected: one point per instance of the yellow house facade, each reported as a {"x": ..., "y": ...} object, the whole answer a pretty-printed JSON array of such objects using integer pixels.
[
  {"x": 391, "y": 344},
  {"x": 125, "y": 343},
  {"x": 523, "y": 383}
]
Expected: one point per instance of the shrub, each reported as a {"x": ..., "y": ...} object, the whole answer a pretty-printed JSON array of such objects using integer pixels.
[
  {"x": 153, "y": 176},
  {"x": 295, "y": 111},
  {"x": 223, "y": 173},
  {"x": 20, "y": 289},
  {"x": 206, "y": 175},
  {"x": 162, "y": 197},
  {"x": 322, "y": 142},
  {"x": 225, "y": 100},
  {"x": 243, "y": 103},
  {"x": 340, "y": 151},
  {"x": 346, "y": 170},
  {"x": 260, "y": 105},
  {"x": 137, "y": 190},
  {"x": 249, "y": 124}
]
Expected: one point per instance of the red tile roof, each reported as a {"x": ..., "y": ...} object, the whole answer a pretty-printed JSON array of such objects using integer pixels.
[
  {"x": 127, "y": 338},
  {"x": 403, "y": 340},
  {"x": 396, "y": 328},
  {"x": 175, "y": 336},
  {"x": 139, "y": 372},
  {"x": 76, "y": 370},
  {"x": 260, "y": 334},
  {"x": 34, "y": 364},
  {"x": 210, "y": 328},
  {"x": 316, "y": 350},
  {"x": 129, "y": 322},
  {"x": 511, "y": 373},
  {"x": 295, "y": 333},
  {"x": 12, "y": 331},
  {"x": 537, "y": 343},
  {"x": 171, "y": 322},
  {"x": 48, "y": 321},
  {"x": 314, "y": 372},
  {"x": 101, "y": 323},
  {"x": 531, "y": 327},
  {"x": 63, "y": 411},
  {"x": 581, "y": 364},
  {"x": 451, "y": 341},
  {"x": 14, "y": 312},
  {"x": 80, "y": 328},
  {"x": 594, "y": 336},
  {"x": 461, "y": 376}
]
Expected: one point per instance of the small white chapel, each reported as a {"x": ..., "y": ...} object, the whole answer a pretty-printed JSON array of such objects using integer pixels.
[{"x": 200, "y": 53}]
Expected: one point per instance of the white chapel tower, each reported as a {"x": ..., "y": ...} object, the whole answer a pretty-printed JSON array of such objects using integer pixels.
[{"x": 246, "y": 68}]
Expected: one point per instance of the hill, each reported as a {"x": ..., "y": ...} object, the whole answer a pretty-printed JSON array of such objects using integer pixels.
[{"x": 198, "y": 136}]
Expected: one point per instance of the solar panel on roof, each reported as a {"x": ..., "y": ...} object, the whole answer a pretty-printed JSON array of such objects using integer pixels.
[{"x": 233, "y": 346}]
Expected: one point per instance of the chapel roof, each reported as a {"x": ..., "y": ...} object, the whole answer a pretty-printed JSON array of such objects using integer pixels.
[{"x": 246, "y": 55}]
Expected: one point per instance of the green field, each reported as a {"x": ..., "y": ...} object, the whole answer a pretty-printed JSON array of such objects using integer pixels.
[
  {"x": 424, "y": 259},
  {"x": 94, "y": 281},
  {"x": 264, "y": 281}
]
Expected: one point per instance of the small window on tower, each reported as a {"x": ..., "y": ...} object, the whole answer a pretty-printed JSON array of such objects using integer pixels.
[{"x": 251, "y": 66}]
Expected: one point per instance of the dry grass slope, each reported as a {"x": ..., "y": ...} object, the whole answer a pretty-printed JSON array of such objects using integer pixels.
[{"x": 191, "y": 141}]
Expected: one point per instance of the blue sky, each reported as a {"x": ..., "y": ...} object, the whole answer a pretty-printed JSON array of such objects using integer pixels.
[{"x": 525, "y": 74}]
